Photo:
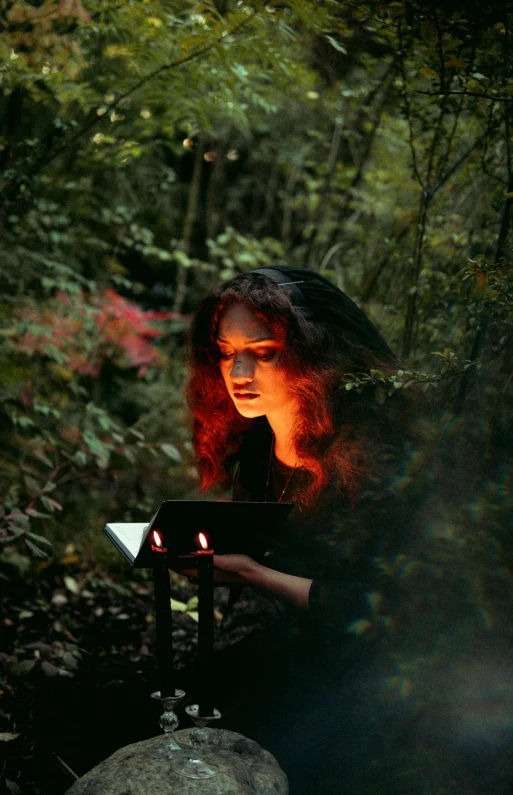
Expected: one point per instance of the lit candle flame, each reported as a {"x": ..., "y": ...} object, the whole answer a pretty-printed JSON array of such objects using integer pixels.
[
  {"x": 203, "y": 541},
  {"x": 157, "y": 539}
]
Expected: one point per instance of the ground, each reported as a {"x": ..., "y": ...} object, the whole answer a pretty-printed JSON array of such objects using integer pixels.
[{"x": 77, "y": 667}]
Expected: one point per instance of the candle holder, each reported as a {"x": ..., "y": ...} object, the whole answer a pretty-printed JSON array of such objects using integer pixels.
[
  {"x": 196, "y": 767},
  {"x": 168, "y": 721}
]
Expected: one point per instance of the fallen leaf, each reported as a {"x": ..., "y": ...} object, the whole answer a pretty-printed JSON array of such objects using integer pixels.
[
  {"x": 51, "y": 670},
  {"x": 69, "y": 560},
  {"x": 59, "y": 599},
  {"x": 71, "y": 584}
]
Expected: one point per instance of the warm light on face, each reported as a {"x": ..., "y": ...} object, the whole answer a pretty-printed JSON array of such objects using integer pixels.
[
  {"x": 157, "y": 539},
  {"x": 251, "y": 361},
  {"x": 203, "y": 541}
]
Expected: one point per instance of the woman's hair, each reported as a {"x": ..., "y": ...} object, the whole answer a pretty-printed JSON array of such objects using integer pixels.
[{"x": 337, "y": 433}]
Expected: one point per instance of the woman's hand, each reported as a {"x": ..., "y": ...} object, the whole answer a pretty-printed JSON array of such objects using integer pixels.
[
  {"x": 241, "y": 567},
  {"x": 228, "y": 569},
  {"x": 287, "y": 586}
]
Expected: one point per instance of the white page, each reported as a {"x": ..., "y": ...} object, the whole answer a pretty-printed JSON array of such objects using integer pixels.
[{"x": 128, "y": 535}]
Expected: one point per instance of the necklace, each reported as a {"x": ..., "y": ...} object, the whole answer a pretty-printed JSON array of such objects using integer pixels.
[{"x": 269, "y": 467}]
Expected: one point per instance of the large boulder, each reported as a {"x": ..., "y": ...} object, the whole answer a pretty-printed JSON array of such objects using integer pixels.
[{"x": 242, "y": 767}]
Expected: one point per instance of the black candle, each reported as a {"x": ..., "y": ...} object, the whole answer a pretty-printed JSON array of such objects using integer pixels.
[
  {"x": 164, "y": 618},
  {"x": 205, "y": 625}
]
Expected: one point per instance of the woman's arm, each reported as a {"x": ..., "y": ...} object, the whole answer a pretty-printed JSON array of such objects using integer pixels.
[{"x": 286, "y": 586}]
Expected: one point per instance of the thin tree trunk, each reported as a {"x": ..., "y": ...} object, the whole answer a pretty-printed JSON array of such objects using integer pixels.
[
  {"x": 330, "y": 172},
  {"x": 502, "y": 239},
  {"x": 188, "y": 227},
  {"x": 364, "y": 156},
  {"x": 477, "y": 345},
  {"x": 370, "y": 283},
  {"x": 11, "y": 125},
  {"x": 286, "y": 226},
  {"x": 269, "y": 200},
  {"x": 214, "y": 204},
  {"x": 411, "y": 306}
]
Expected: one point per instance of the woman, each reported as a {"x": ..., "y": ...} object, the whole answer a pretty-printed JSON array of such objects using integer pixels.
[{"x": 270, "y": 350}]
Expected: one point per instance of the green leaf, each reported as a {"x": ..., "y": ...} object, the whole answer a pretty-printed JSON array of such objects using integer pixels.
[
  {"x": 100, "y": 451},
  {"x": 79, "y": 458},
  {"x": 48, "y": 504},
  {"x": 36, "y": 514},
  {"x": 171, "y": 452},
  {"x": 21, "y": 669},
  {"x": 359, "y": 626},
  {"x": 36, "y": 552},
  {"x": 452, "y": 45},
  {"x": 40, "y": 539},
  {"x": 130, "y": 455},
  {"x": 31, "y": 484},
  {"x": 71, "y": 584},
  {"x": 336, "y": 44}
]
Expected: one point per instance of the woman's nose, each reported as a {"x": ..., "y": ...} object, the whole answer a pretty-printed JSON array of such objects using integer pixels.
[{"x": 242, "y": 370}]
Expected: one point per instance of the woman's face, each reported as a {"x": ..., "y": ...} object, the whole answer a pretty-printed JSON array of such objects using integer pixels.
[{"x": 252, "y": 364}]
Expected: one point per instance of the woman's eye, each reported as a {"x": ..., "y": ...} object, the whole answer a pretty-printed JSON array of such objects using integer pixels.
[{"x": 264, "y": 356}]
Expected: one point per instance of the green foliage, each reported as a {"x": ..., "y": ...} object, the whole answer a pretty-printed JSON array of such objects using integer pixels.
[
  {"x": 58, "y": 418},
  {"x": 386, "y": 384},
  {"x": 236, "y": 253}
]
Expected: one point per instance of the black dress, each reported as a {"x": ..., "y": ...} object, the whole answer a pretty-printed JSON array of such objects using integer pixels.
[
  {"x": 298, "y": 682},
  {"x": 396, "y": 680}
]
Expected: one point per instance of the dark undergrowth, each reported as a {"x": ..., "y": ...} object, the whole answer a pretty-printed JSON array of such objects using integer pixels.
[{"x": 77, "y": 669}]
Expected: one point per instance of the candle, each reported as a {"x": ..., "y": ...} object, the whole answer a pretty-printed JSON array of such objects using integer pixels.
[
  {"x": 205, "y": 624},
  {"x": 164, "y": 618}
]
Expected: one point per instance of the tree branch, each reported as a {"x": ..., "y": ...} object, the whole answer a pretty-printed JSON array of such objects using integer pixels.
[
  {"x": 440, "y": 50},
  {"x": 94, "y": 120},
  {"x": 503, "y": 231},
  {"x": 491, "y": 97},
  {"x": 407, "y": 108}
]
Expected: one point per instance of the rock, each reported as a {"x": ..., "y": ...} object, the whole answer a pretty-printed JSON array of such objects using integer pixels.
[{"x": 242, "y": 768}]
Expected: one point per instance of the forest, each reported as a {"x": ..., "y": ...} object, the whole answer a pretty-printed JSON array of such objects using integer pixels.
[{"x": 152, "y": 149}]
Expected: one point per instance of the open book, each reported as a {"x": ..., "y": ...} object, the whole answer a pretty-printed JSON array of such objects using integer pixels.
[
  {"x": 231, "y": 527},
  {"x": 128, "y": 538}
]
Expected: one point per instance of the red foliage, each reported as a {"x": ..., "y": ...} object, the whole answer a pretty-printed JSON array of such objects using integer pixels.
[{"x": 89, "y": 331}]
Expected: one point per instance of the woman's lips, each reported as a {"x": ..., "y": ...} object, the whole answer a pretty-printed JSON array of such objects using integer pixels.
[{"x": 245, "y": 395}]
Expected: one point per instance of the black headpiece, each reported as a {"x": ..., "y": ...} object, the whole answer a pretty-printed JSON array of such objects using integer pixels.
[{"x": 319, "y": 299}]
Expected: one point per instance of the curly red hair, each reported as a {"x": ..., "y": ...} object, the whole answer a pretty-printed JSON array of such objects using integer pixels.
[{"x": 337, "y": 433}]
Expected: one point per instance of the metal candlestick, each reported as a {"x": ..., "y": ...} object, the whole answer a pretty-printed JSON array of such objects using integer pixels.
[
  {"x": 196, "y": 767},
  {"x": 168, "y": 721}
]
